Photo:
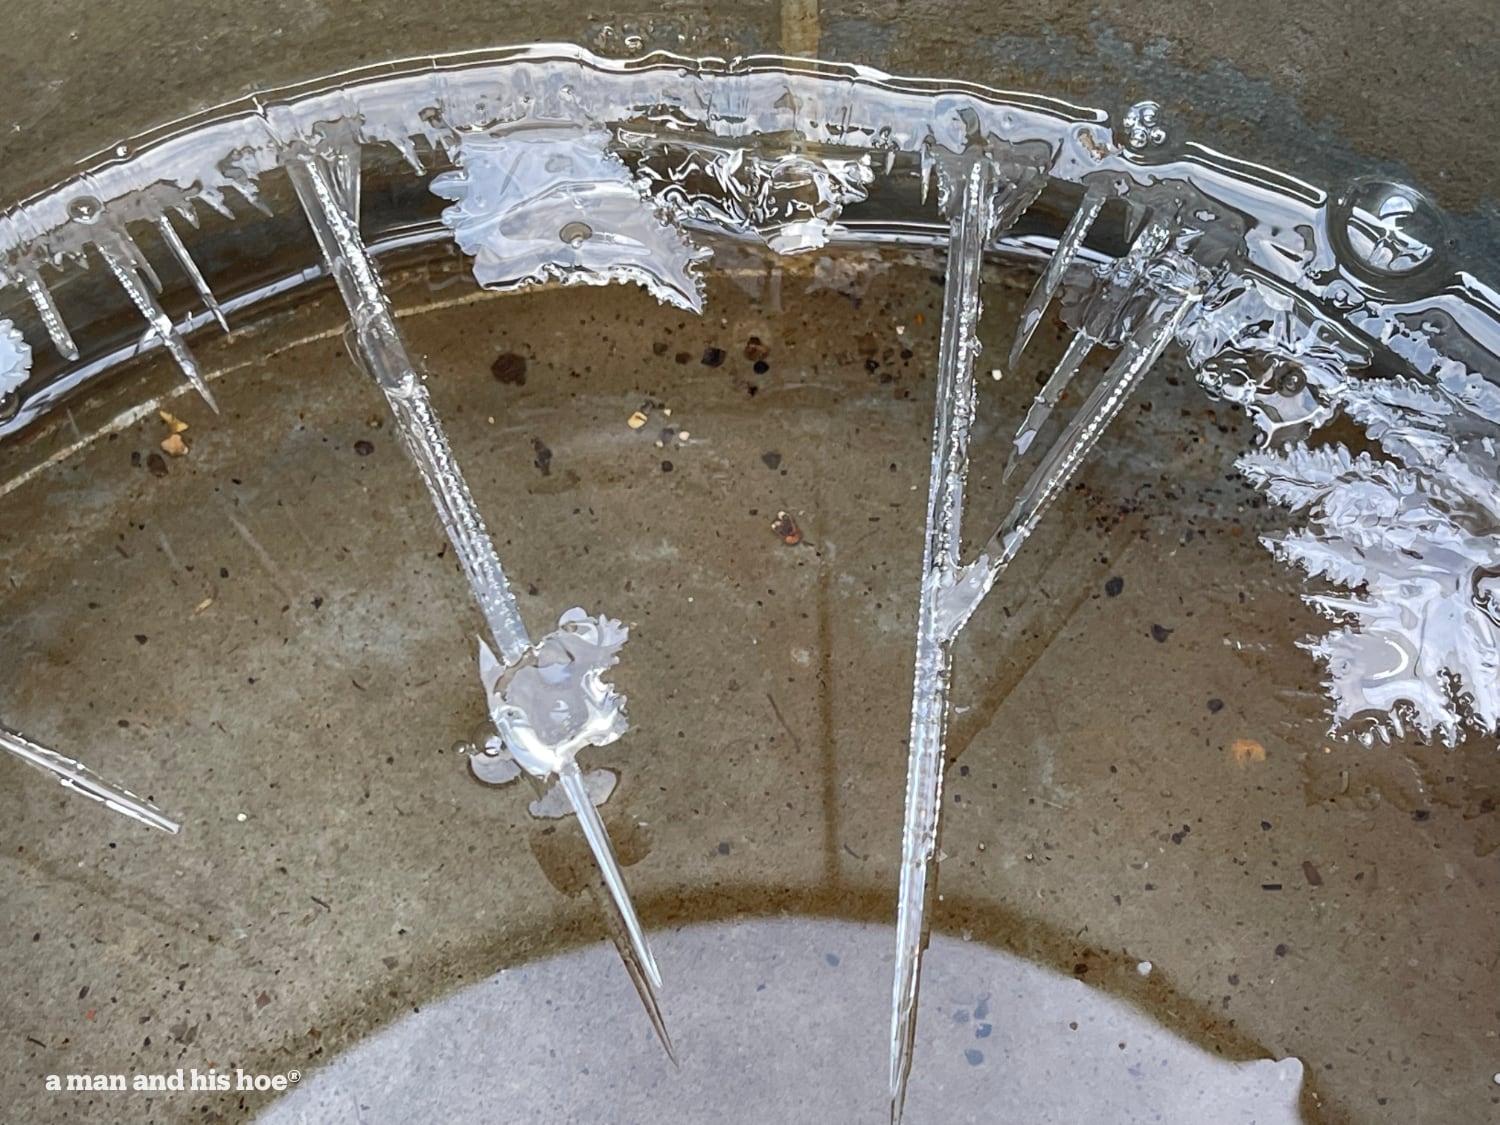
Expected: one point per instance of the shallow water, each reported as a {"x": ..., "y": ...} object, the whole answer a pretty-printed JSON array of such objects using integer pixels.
[{"x": 275, "y": 629}]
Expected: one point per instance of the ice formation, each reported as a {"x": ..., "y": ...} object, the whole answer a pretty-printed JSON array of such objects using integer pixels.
[{"x": 1298, "y": 304}]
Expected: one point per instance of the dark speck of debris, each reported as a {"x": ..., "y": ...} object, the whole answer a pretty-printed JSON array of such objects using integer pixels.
[
  {"x": 1310, "y": 870},
  {"x": 1420, "y": 815},
  {"x": 659, "y": 347},
  {"x": 1215, "y": 706},
  {"x": 532, "y": 589},
  {"x": 1271, "y": 887},
  {"x": 363, "y": 448},
  {"x": 141, "y": 638},
  {"x": 755, "y": 351},
  {"x": 1234, "y": 978},
  {"x": 157, "y": 464},
  {"x": 724, "y": 847},
  {"x": 974, "y": 1056},
  {"x": 682, "y": 357},
  {"x": 543, "y": 459},
  {"x": 1280, "y": 951},
  {"x": 135, "y": 459},
  {"x": 712, "y": 357},
  {"x": 509, "y": 368},
  {"x": 772, "y": 460},
  {"x": 1114, "y": 586},
  {"x": 317, "y": 603},
  {"x": 832, "y": 959},
  {"x": 1265, "y": 826},
  {"x": 1160, "y": 633},
  {"x": 761, "y": 367},
  {"x": 666, "y": 466}
]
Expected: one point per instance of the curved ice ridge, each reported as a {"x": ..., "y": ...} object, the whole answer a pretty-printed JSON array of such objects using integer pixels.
[{"x": 561, "y": 165}]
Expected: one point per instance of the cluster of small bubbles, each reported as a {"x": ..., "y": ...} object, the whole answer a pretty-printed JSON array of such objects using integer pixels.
[{"x": 1143, "y": 127}]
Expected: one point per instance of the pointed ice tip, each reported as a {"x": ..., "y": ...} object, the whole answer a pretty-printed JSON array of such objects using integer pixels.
[{"x": 207, "y": 395}]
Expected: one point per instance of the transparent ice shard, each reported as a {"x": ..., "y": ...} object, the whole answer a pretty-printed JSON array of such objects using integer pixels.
[
  {"x": 195, "y": 275},
  {"x": 125, "y": 261},
  {"x": 378, "y": 346},
  {"x": 540, "y": 203},
  {"x": 78, "y": 778},
  {"x": 52, "y": 320},
  {"x": 549, "y": 700},
  {"x": 554, "y": 704},
  {"x": 1106, "y": 311},
  {"x": 972, "y": 210},
  {"x": 1058, "y": 265},
  {"x": 1067, "y": 454}
]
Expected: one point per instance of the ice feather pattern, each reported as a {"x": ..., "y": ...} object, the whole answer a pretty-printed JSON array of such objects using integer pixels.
[{"x": 1413, "y": 539}]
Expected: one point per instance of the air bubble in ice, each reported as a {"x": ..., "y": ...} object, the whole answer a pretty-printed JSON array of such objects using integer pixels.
[
  {"x": 575, "y": 233},
  {"x": 1390, "y": 228},
  {"x": 85, "y": 208}
]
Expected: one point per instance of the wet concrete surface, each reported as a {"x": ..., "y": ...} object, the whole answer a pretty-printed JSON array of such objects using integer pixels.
[{"x": 272, "y": 639}]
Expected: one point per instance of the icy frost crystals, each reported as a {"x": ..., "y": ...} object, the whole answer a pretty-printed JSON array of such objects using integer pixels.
[
  {"x": 1416, "y": 542},
  {"x": 552, "y": 203}
]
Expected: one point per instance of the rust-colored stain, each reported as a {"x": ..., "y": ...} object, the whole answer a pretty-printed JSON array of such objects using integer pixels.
[{"x": 1246, "y": 750}]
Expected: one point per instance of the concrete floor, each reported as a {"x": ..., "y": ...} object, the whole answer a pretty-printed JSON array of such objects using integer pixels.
[
  {"x": 273, "y": 640},
  {"x": 1101, "y": 812}
]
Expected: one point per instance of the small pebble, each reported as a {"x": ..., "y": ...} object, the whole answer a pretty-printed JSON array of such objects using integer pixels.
[
  {"x": 1159, "y": 634},
  {"x": 771, "y": 459},
  {"x": 755, "y": 351},
  {"x": 666, "y": 466},
  {"x": 787, "y": 528},
  {"x": 363, "y": 448},
  {"x": 712, "y": 357},
  {"x": 173, "y": 445},
  {"x": 1114, "y": 586},
  {"x": 1215, "y": 706},
  {"x": 636, "y": 420}
]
